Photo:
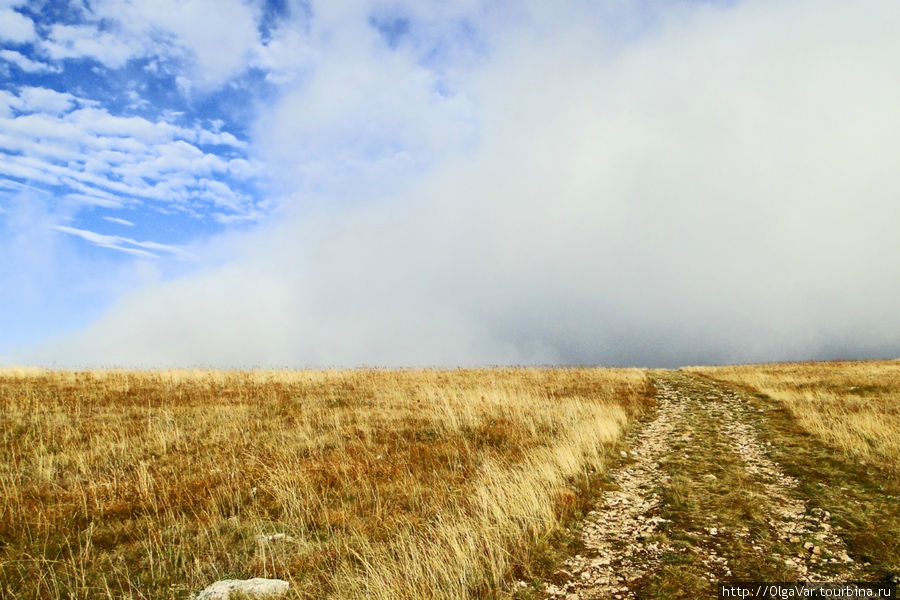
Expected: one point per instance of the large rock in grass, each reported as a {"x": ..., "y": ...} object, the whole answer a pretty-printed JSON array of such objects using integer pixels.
[{"x": 250, "y": 588}]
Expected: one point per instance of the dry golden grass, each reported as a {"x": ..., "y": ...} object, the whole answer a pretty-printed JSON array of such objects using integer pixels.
[
  {"x": 394, "y": 484},
  {"x": 852, "y": 406}
]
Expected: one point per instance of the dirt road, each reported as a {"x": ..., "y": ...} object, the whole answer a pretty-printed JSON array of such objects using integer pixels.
[{"x": 698, "y": 500}]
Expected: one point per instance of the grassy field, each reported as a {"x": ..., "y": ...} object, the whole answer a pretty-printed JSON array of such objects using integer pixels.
[
  {"x": 854, "y": 407},
  {"x": 836, "y": 427},
  {"x": 407, "y": 484},
  {"x": 390, "y": 484}
]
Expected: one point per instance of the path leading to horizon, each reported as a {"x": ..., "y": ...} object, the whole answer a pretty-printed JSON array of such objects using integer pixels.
[{"x": 696, "y": 501}]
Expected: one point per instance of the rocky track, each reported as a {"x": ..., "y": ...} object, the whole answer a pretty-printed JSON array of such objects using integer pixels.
[{"x": 626, "y": 540}]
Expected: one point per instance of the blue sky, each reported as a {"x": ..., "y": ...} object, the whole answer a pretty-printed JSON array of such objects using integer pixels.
[
  {"x": 123, "y": 139},
  {"x": 101, "y": 112},
  {"x": 126, "y": 136},
  {"x": 290, "y": 183}
]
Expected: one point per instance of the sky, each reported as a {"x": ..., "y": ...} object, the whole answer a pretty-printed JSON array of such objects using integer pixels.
[{"x": 286, "y": 183}]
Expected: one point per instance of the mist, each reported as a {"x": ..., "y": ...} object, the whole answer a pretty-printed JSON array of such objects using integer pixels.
[{"x": 715, "y": 184}]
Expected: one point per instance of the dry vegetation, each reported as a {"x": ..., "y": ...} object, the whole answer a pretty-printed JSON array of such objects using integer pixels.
[
  {"x": 835, "y": 427},
  {"x": 852, "y": 406},
  {"x": 394, "y": 484}
]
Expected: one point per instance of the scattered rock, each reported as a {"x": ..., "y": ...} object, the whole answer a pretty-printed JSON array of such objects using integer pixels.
[
  {"x": 276, "y": 537},
  {"x": 552, "y": 590},
  {"x": 623, "y": 454},
  {"x": 254, "y": 588}
]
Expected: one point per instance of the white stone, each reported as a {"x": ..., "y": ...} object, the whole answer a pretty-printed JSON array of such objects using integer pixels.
[
  {"x": 255, "y": 588},
  {"x": 276, "y": 537}
]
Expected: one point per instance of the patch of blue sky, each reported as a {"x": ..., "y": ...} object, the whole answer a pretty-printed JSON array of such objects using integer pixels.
[
  {"x": 144, "y": 89},
  {"x": 393, "y": 28},
  {"x": 33, "y": 320},
  {"x": 237, "y": 104},
  {"x": 83, "y": 77},
  {"x": 177, "y": 220},
  {"x": 54, "y": 12},
  {"x": 275, "y": 12},
  {"x": 162, "y": 226}
]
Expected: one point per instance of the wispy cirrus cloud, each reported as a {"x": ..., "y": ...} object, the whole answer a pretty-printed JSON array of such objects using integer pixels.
[
  {"x": 58, "y": 139},
  {"x": 145, "y": 249},
  {"x": 119, "y": 221}
]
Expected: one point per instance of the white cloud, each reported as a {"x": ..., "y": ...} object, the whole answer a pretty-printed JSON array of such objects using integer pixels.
[
  {"x": 119, "y": 221},
  {"x": 144, "y": 249},
  {"x": 202, "y": 26},
  {"x": 361, "y": 111},
  {"x": 214, "y": 39},
  {"x": 87, "y": 41},
  {"x": 25, "y": 63},
  {"x": 15, "y": 27},
  {"x": 288, "y": 54},
  {"x": 8, "y": 101},
  {"x": 720, "y": 187},
  {"x": 36, "y": 99},
  {"x": 11, "y": 167},
  {"x": 108, "y": 160},
  {"x": 95, "y": 198},
  {"x": 184, "y": 85}
]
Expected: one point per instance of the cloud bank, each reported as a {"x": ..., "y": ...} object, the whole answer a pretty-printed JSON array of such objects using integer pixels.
[{"x": 718, "y": 185}]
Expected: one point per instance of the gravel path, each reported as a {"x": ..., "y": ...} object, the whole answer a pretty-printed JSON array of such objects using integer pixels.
[
  {"x": 794, "y": 521},
  {"x": 621, "y": 537}
]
